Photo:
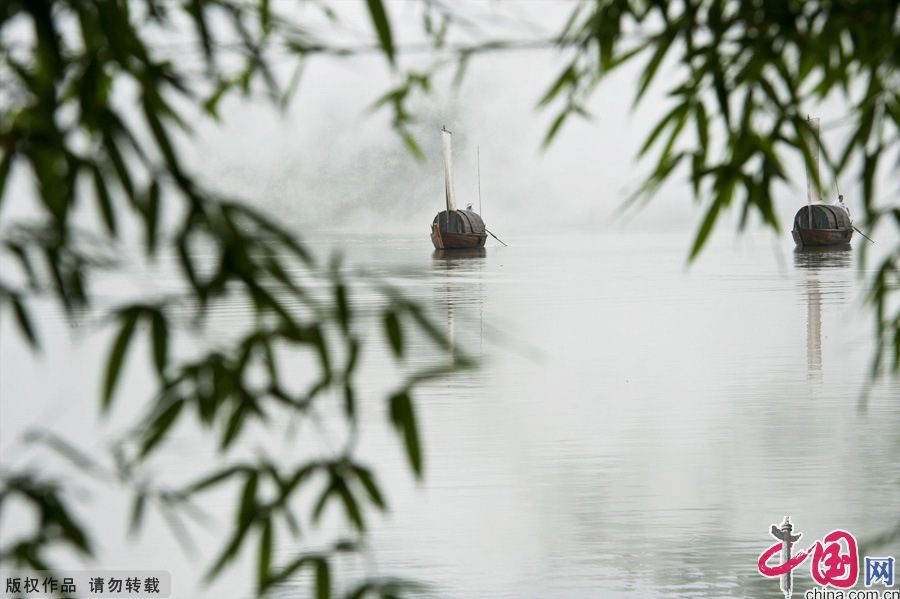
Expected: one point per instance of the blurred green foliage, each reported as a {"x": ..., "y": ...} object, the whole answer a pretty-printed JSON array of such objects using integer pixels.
[
  {"x": 741, "y": 78},
  {"x": 93, "y": 116}
]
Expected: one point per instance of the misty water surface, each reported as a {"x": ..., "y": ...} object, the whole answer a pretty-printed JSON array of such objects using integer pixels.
[
  {"x": 633, "y": 430},
  {"x": 637, "y": 426}
]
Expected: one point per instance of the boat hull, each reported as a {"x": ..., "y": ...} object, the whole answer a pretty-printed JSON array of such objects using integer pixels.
[
  {"x": 456, "y": 241},
  {"x": 821, "y": 237}
]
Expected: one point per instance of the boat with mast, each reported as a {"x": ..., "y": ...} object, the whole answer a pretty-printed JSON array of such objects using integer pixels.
[
  {"x": 455, "y": 229},
  {"x": 818, "y": 224}
]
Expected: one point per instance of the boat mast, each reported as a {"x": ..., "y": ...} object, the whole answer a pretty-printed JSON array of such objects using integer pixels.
[
  {"x": 448, "y": 171},
  {"x": 812, "y": 176},
  {"x": 478, "y": 169}
]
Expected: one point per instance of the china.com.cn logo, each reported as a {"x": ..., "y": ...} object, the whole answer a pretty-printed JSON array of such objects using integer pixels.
[{"x": 834, "y": 562}]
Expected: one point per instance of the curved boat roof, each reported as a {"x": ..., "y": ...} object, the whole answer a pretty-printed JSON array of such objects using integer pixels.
[
  {"x": 824, "y": 216},
  {"x": 459, "y": 221}
]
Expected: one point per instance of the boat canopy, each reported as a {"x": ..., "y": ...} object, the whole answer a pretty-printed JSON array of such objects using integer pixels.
[
  {"x": 824, "y": 217},
  {"x": 459, "y": 221}
]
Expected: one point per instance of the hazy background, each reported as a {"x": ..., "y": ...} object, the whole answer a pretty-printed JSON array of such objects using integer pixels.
[
  {"x": 636, "y": 426},
  {"x": 338, "y": 166}
]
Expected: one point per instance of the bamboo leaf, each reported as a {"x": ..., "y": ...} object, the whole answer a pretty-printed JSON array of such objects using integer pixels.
[
  {"x": 137, "y": 513},
  {"x": 382, "y": 27},
  {"x": 404, "y": 420},
  {"x": 270, "y": 227},
  {"x": 230, "y": 550},
  {"x": 211, "y": 104},
  {"x": 24, "y": 262},
  {"x": 394, "y": 332},
  {"x": 349, "y": 401},
  {"x": 343, "y": 306},
  {"x": 298, "y": 477},
  {"x": 248, "y": 505},
  {"x": 55, "y": 510},
  {"x": 160, "y": 338},
  {"x": 721, "y": 90},
  {"x": 5, "y": 167},
  {"x": 151, "y": 217},
  {"x": 104, "y": 202},
  {"x": 351, "y": 507},
  {"x": 425, "y": 324},
  {"x": 367, "y": 479},
  {"x": 323, "y": 498},
  {"x": 323, "y": 579},
  {"x": 870, "y": 167},
  {"x": 673, "y": 135},
  {"x": 216, "y": 478},
  {"x": 291, "y": 89},
  {"x": 702, "y": 128},
  {"x": 554, "y": 128},
  {"x": 705, "y": 228},
  {"x": 568, "y": 78},
  {"x": 196, "y": 10},
  {"x": 265, "y": 556},
  {"x": 153, "y": 107},
  {"x": 660, "y": 127},
  {"x": 23, "y": 320},
  {"x": 294, "y": 566},
  {"x": 662, "y": 48},
  {"x": 118, "y": 161},
  {"x": 117, "y": 356},
  {"x": 265, "y": 15},
  {"x": 161, "y": 426},
  {"x": 413, "y": 146},
  {"x": 234, "y": 425},
  {"x": 67, "y": 451}
]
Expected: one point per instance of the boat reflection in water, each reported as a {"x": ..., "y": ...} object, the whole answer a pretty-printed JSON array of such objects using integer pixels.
[
  {"x": 462, "y": 287},
  {"x": 817, "y": 262},
  {"x": 451, "y": 256}
]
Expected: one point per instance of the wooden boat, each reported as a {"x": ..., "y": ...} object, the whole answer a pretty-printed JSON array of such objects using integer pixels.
[
  {"x": 822, "y": 225},
  {"x": 817, "y": 224},
  {"x": 451, "y": 228},
  {"x": 460, "y": 229}
]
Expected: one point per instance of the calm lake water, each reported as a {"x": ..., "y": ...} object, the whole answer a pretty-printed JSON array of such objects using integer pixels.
[
  {"x": 633, "y": 430},
  {"x": 636, "y": 427}
]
